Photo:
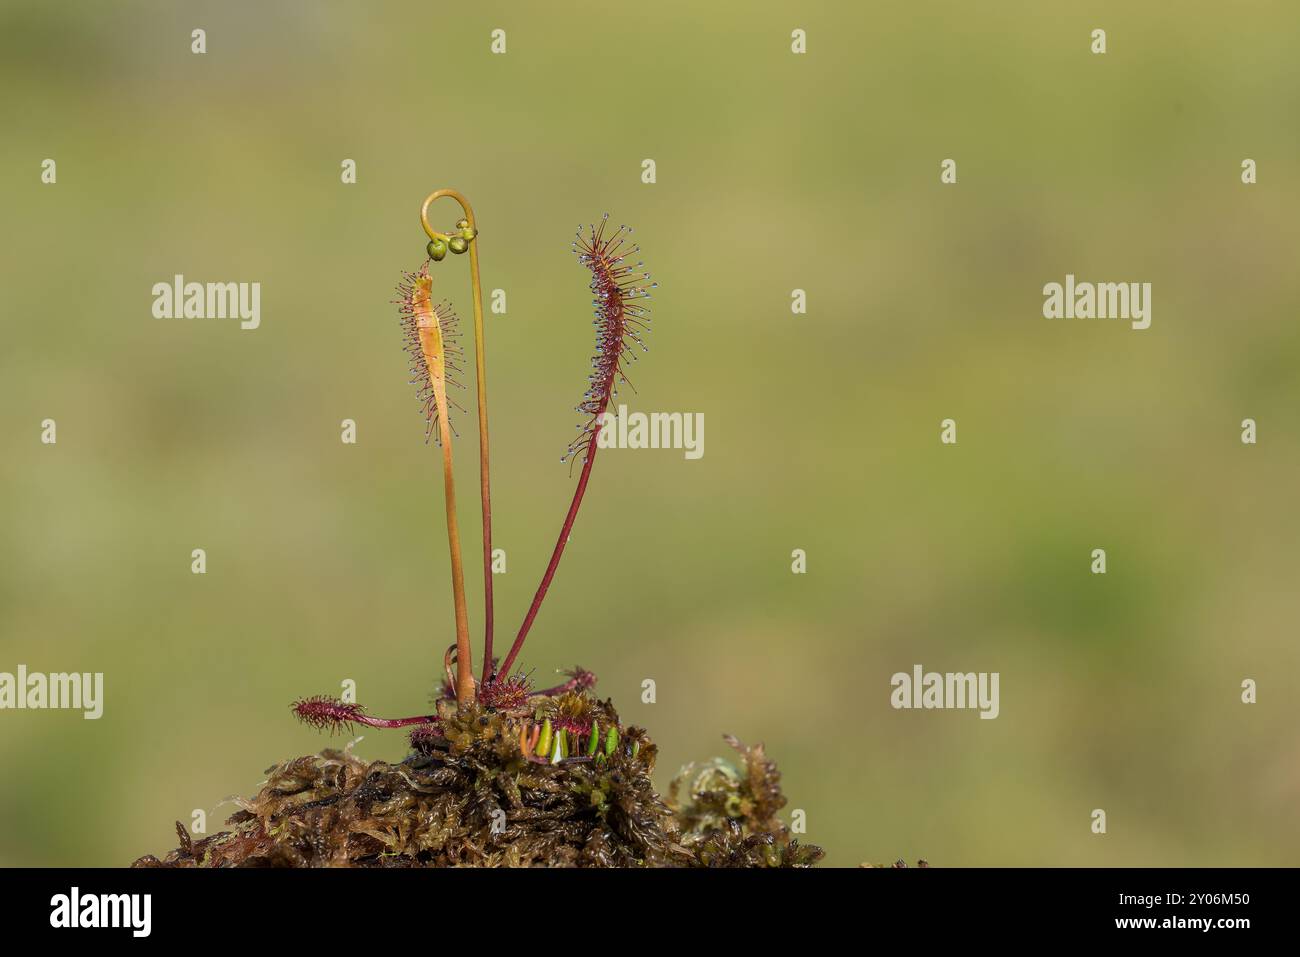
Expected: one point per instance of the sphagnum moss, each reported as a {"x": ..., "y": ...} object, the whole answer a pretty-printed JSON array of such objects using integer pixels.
[
  {"x": 500, "y": 773},
  {"x": 473, "y": 797}
]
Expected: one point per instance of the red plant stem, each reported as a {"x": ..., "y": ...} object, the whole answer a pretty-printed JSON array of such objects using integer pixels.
[
  {"x": 557, "y": 690},
  {"x": 392, "y": 722},
  {"x": 565, "y": 529}
]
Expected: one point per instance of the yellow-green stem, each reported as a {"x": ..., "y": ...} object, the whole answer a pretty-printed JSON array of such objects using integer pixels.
[
  {"x": 480, "y": 367},
  {"x": 464, "y": 656}
]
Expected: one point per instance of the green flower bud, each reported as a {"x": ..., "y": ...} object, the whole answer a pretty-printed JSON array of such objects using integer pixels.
[
  {"x": 437, "y": 250},
  {"x": 458, "y": 244},
  {"x": 544, "y": 739}
]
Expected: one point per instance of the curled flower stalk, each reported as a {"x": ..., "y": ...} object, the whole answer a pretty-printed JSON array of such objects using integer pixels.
[{"x": 461, "y": 241}]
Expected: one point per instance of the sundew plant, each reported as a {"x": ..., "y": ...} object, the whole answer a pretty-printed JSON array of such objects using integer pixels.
[
  {"x": 620, "y": 288},
  {"x": 501, "y": 773}
]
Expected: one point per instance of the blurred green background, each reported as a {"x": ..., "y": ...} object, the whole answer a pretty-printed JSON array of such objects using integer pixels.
[{"x": 775, "y": 172}]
